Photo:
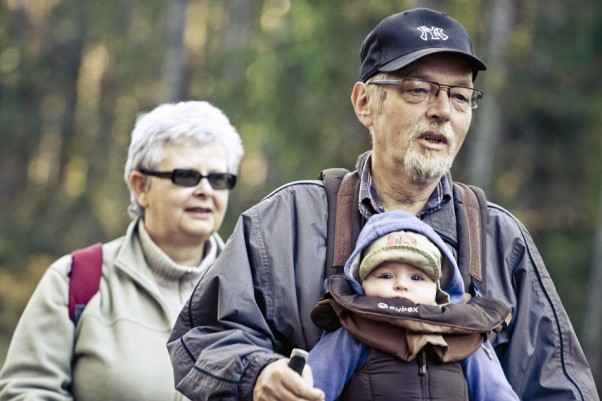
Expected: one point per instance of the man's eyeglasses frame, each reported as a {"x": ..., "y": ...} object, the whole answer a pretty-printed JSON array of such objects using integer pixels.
[{"x": 460, "y": 101}]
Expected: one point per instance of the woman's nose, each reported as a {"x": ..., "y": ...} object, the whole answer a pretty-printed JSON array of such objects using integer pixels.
[{"x": 203, "y": 187}]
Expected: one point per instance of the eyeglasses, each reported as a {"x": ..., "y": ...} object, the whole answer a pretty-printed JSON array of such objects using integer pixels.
[
  {"x": 191, "y": 178},
  {"x": 418, "y": 91}
]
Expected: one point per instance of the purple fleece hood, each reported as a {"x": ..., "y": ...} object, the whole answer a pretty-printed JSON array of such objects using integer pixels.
[{"x": 398, "y": 220}]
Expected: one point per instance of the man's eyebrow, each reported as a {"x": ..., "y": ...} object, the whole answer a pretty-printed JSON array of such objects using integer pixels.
[
  {"x": 410, "y": 72},
  {"x": 465, "y": 82}
]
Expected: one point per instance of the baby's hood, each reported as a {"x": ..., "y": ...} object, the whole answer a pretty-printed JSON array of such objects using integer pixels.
[{"x": 398, "y": 220}]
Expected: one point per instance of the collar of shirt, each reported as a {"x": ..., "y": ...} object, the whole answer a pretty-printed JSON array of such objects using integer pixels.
[{"x": 370, "y": 204}]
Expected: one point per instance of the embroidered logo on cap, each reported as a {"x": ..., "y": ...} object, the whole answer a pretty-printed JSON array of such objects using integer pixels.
[
  {"x": 435, "y": 33},
  {"x": 401, "y": 239}
]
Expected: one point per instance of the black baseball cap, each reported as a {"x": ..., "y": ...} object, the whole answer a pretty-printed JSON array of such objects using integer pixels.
[{"x": 403, "y": 38}]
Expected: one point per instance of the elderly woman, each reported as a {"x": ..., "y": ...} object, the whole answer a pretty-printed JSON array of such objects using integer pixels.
[{"x": 181, "y": 165}]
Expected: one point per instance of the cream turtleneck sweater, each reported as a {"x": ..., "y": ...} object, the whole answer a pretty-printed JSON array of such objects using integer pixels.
[{"x": 175, "y": 281}]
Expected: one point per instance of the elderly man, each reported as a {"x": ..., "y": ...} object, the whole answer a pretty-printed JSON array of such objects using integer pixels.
[{"x": 416, "y": 97}]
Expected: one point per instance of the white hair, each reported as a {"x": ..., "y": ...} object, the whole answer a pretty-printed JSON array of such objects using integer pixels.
[{"x": 190, "y": 122}]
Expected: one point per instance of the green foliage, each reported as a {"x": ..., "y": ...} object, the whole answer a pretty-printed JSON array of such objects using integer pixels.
[{"x": 552, "y": 103}]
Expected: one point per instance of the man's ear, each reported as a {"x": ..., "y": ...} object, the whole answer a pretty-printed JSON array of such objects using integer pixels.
[
  {"x": 360, "y": 99},
  {"x": 140, "y": 187}
]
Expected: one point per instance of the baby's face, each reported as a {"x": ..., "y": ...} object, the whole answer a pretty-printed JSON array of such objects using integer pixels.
[{"x": 401, "y": 280}]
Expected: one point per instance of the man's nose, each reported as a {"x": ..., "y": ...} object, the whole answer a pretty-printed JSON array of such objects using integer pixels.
[{"x": 440, "y": 105}]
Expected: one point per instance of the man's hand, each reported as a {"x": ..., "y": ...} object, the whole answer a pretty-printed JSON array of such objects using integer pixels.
[{"x": 278, "y": 382}]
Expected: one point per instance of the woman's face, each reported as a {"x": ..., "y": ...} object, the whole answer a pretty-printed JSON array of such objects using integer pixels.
[{"x": 184, "y": 216}]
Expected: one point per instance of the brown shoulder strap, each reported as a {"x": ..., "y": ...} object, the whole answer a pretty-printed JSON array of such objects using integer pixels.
[
  {"x": 471, "y": 216},
  {"x": 348, "y": 223},
  {"x": 344, "y": 219}
]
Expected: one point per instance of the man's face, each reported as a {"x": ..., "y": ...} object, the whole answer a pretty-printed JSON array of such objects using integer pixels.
[{"x": 421, "y": 140}]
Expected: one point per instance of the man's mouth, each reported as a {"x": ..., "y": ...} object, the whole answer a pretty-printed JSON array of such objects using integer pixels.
[{"x": 434, "y": 138}]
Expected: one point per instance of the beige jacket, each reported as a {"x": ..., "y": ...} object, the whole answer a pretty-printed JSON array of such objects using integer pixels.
[{"x": 119, "y": 351}]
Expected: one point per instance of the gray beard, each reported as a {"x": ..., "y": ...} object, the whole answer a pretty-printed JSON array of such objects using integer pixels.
[{"x": 428, "y": 167}]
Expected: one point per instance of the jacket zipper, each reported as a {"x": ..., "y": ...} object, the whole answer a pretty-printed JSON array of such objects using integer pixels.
[{"x": 423, "y": 371}]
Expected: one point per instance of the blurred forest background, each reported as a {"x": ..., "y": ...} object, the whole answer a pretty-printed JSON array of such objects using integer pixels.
[{"x": 75, "y": 73}]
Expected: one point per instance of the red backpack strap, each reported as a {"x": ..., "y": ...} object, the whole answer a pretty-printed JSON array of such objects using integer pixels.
[{"x": 84, "y": 278}]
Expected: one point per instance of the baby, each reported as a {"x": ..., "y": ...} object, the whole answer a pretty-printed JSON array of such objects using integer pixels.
[{"x": 399, "y": 256}]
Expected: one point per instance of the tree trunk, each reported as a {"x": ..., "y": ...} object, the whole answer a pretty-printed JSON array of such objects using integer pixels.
[
  {"x": 592, "y": 327},
  {"x": 487, "y": 129},
  {"x": 175, "y": 64}
]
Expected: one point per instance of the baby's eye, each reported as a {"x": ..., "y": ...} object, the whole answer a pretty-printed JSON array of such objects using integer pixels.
[
  {"x": 386, "y": 276},
  {"x": 417, "y": 277}
]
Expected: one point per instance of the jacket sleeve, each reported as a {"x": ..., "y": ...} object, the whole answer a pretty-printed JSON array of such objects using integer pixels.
[
  {"x": 333, "y": 361},
  {"x": 539, "y": 351},
  {"x": 38, "y": 363},
  {"x": 485, "y": 377},
  {"x": 253, "y": 305}
]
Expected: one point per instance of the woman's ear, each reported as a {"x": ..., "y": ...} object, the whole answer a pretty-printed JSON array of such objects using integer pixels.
[
  {"x": 360, "y": 99},
  {"x": 140, "y": 187}
]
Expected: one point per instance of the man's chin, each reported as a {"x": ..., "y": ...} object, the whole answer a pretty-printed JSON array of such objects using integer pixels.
[
  {"x": 425, "y": 170},
  {"x": 426, "y": 178}
]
